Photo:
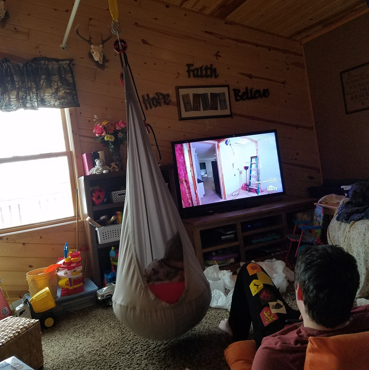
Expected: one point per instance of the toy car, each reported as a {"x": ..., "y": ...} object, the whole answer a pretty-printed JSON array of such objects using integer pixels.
[
  {"x": 106, "y": 293},
  {"x": 42, "y": 306}
]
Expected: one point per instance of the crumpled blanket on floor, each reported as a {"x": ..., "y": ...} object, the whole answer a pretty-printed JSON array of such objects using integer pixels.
[{"x": 353, "y": 238}]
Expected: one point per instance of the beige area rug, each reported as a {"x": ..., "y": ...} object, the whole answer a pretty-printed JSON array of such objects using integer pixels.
[{"x": 93, "y": 338}]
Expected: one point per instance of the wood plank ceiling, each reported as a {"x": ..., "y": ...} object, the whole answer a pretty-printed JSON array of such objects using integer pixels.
[{"x": 294, "y": 19}]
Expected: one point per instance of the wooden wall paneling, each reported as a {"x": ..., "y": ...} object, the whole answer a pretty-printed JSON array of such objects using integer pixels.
[
  {"x": 306, "y": 15},
  {"x": 18, "y": 32},
  {"x": 228, "y": 28},
  {"x": 329, "y": 23},
  {"x": 262, "y": 13},
  {"x": 273, "y": 16},
  {"x": 89, "y": 110},
  {"x": 45, "y": 12},
  {"x": 162, "y": 39}
]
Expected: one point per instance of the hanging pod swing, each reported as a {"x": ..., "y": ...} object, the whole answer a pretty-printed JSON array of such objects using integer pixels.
[{"x": 150, "y": 220}]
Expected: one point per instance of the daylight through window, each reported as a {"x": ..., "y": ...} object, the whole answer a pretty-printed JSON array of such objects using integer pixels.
[{"x": 35, "y": 167}]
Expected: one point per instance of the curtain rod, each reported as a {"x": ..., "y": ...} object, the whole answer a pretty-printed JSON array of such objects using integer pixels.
[{"x": 71, "y": 20}]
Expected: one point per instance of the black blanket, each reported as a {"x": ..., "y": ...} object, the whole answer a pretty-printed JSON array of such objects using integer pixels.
[{"x": 357, "y": 208}]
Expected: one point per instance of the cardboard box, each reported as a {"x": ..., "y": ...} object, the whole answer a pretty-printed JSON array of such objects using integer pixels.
[
  {"x": 21, "y": 337},
  {"x": 13, "y": 363}
]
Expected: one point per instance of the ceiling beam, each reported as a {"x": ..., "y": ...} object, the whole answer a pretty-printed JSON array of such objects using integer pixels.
[
  {"x": 331, "y": 26},
  {"x": 225, "y": 8}
]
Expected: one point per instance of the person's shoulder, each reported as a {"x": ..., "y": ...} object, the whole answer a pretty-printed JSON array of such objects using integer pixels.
[
  {"x": 361, "y": 314},
  {"x": 268, "y": 356},
  {"x": 283, "y": 350}
]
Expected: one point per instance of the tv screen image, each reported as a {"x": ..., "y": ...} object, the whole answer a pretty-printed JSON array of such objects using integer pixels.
[{"x": 228, "y": 169}]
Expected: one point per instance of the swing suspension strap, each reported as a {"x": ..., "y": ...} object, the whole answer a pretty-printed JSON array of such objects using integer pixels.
[{"x": 121, "y": 51}]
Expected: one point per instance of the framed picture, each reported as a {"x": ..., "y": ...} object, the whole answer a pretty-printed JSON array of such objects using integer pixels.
[
  {"x": 196, "y": 102},
  {"x": 355, "y": 88}
]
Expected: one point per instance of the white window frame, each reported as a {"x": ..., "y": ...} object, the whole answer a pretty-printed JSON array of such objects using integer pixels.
[{"x": 68, "y": 153}]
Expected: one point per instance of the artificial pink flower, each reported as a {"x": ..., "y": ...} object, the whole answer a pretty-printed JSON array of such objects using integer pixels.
[
  {"x": 109, "y": 128},
  {"x": 99, "y": 130},
  {"x": 120, "y": 125}
]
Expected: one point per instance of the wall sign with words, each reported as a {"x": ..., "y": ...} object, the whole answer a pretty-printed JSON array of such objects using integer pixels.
[
  {"x": 156, "y": 101},
  {"x": 250, "y": 94},
  {"x": 355, "y": 88},
  {"x": 202, "y": 72}
]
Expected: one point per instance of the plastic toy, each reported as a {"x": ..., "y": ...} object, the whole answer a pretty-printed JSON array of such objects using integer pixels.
[
  {"x": 99, "y": 197},
  {"x": 113, "y": 254},
  {"x": 5, "y": 310},
  {"x": 110, "y": 277},
  {"x": 105, "y": 294},
  {"x": 70, "y": 272},
  {"x": 43, "y": 307}
]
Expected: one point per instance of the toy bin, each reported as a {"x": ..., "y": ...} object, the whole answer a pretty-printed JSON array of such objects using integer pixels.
[
  {"x": 37, "y": 281},
  {"x": 108, "y": 234},
  {"x": 118, "y": 196}
]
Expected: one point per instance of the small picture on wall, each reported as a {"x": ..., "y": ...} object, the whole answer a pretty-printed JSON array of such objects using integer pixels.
[
  {"x": 196, "y": 102},
  {"x": 355, "y": 88}
]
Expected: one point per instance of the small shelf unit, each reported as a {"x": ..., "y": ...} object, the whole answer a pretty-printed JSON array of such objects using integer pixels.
[
  {"x": 99, "y": 260},
  {"x": 256, "y": 233}
]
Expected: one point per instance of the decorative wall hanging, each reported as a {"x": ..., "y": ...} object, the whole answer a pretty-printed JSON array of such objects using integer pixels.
[
  {"x": 37, "y": 83},
  {"x": 202, "y": 72},
  {"x": 196, "y": 102},
  {"x": 355, "y": 88},
  {"x": 97, "y": 51},
  {"x": 4, "y": 14},
  {"x": 250, "y": 94},
  {"x": 155, "y": 101}
]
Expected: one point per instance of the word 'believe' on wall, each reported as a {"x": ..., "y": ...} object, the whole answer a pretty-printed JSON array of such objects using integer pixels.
[{"x": 250, "y": 94}]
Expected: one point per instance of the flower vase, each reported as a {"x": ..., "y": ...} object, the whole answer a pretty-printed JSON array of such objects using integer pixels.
[{"x": 117, "y": 159}]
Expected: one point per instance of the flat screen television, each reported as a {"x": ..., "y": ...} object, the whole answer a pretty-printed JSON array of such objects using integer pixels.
[{"x": 221, "y": 174}]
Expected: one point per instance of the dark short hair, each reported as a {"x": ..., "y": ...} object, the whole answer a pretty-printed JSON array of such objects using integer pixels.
[
  {"x": 174, "y": 249},
  {"x": 329, "y": 279}
]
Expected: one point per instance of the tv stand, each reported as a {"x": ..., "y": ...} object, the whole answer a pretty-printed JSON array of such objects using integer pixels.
[{"x": 256, "y": 233}]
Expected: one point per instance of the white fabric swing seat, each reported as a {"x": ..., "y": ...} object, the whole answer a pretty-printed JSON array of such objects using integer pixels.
[{"x": 150, "y": 219}]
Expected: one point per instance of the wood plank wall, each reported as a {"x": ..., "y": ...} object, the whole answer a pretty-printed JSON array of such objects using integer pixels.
[{"x": 162, "y": 39}]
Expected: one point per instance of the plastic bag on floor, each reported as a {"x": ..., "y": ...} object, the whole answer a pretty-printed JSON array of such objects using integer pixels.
[
  {"x": 278, "y": 272},
  {"x": 221, "y": 286}
]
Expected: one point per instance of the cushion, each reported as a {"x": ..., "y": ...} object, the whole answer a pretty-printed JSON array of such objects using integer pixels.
[
  {"x": 168, "y": 292},
  {"x": 340, "y": 352},
  {"x": 240, "y": 355}
]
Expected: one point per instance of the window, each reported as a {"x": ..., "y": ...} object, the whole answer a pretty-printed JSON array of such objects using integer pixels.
[{"x": 36, "y": 177}]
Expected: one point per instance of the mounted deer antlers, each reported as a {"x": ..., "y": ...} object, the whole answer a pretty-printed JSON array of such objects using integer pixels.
[
  {"x": 4, "y": 15},
  {"x": 96, "y": 52}
]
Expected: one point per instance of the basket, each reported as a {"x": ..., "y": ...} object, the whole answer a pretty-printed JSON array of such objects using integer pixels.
[
  {"x": 108, "y": 234},
  {"x": 118, "y": 196}
]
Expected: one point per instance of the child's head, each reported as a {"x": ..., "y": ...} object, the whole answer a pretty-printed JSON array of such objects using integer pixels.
[
  {"x": 174, "y": 249},
  {"x": 329, "y": 279}
]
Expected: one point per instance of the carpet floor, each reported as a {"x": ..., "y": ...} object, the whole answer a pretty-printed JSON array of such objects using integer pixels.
[{"x": 93, "y": 338}]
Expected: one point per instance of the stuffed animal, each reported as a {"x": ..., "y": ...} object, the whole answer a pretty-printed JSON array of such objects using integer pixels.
[
  {"x": 100, "y": 167},
  {"x": 113, "y": 167}
]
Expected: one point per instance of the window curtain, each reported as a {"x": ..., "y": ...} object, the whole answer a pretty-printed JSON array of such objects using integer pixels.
[{"x": 37, "y": 83}]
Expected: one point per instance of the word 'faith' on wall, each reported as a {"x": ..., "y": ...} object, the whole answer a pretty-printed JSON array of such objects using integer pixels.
[{"x": 202, "y": 72}]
